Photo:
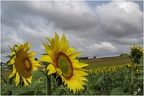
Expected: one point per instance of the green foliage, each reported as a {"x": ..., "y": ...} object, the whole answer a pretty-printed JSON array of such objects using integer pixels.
[
  {"x": 117, "y": 91},
  {"x": 90, "y": 88},
  {"x": 37, "y": 86},
  {"x": 141, "y": 61},
  {"x": 115, "y": 83},
  {"x": 37, "y": 76}
]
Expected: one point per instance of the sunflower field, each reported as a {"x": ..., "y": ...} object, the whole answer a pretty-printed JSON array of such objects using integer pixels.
[{"x": 59, "y": 72}]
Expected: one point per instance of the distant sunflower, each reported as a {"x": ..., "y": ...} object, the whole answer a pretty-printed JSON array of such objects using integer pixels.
[
  {"x": 22, "y": 63},
  {"x": 63, "y": 62},
  {"x": 136, "y": 52}
]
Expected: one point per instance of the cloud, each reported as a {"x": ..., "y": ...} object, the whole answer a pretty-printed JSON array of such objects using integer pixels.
[
  {"x": 9, "y": 38},
  {"x": 104, "y": 46},
  {"x": 129, "y": 41},
  {"x": 103, "y": 30},
  {"x": 120, "y": 20},
  {"x": 67, "y": 15}
]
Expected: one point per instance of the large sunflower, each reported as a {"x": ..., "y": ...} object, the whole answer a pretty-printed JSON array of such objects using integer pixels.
[
  {"x": 22, "y": 63},
  {"x": 63, "y": 62}
]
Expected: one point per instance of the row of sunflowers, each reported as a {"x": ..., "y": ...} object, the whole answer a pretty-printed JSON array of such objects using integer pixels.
[{"x": 112, "y": 69}]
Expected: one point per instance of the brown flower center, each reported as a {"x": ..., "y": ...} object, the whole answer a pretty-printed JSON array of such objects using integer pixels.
[
  {"x": 64, "y": 64},
  {"x": 27, "y": 63},
  {"x": 23, "y": 64}
]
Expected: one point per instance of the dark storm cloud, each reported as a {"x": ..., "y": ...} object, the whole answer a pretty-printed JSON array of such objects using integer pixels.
[{"x": 96, "y": 31}]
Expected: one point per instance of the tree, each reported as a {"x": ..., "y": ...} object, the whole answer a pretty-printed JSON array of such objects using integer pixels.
[{"x": 94, "y": 57}]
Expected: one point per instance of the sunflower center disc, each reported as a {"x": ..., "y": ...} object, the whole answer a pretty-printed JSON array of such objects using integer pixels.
[
  {"x": 65, "y": 65},
  {"x": 27, "y": 63},
  {"x": 23, "y": 64}
]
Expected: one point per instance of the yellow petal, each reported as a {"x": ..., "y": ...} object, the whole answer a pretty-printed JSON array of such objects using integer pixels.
[
  {"x": 49, "y": 39},
  {"x": 27, "y": 48},
  {"x": 20, "y": 48},
  {"x": 63, "y": 39},
  {"x": 12, "y": 61},
  {"x": 79, "y": 73},
  {"x": 47, "y": 49},
  {"x": 34, "y": 68},
  {"x": 53, "y": 45},
  {"x": 46, "y": 58},
  {"x": 13, "y": 53},
  {"x": 70, "y": 51},
  {"x": 17, "y": 78},
  {"x": 25, "y": 82},
  {"x": 59, "y": 71},
  {"x": 13, "y": 72},
  {"x": 79, "y": 64},
  {"x": 26, "y": 44},
  {"x": 63, "y": 44},
  {"x": 51, "y": 69},
  {"x": 56, "y": 41},
  {"x": 29, "y": 79},
  {"x": 34, "y": 62},
  {"x": 31, "y": 54},
  {"x": 74, "y": 55},
  {"x": 82, "y": 79},
  {"x": 23, "y": 47},
  {"x": 75, "y": 84}
]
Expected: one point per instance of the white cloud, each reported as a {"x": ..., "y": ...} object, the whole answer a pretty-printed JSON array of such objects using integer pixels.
[
  {"x": 67, "y": 15},
  {"x": 108, "y": 29},
  {"x": 120, "y": 18},
  {"x": 104, "y": 46},
  {"x": 9, "y": 38},
  {"x": 129, "y": 41}
]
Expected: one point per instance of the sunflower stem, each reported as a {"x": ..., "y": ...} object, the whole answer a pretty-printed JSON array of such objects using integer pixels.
[
  {"x": 48, "y": 85},
  {"x": 132, "y": 74}
]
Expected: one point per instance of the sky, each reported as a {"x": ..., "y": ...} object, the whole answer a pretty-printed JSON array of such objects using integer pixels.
[{"x": 96, "y": 28}]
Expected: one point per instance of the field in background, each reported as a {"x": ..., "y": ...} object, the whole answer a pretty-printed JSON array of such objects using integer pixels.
[
  {"x": 106, "y": 76},
  {"x": 93, "y": 63},
  {"x": 107, "y": 61}
]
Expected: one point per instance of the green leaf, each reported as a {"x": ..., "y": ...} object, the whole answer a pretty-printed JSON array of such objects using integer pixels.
[
  {"x": 28, "y": 93},
  {"x": 117, "y": 91},
  {"x": 97, "y": 81},
  {"x": 91, "y": 92},
  {"x": 65, "y": 89},
  {"x": 36, "y": 76},
  {"x": 18, "y": 89},
  {"x": 141, "y": 61},
  {"x": 40, "y": 93},
  {"x": 31, "y": 88}
]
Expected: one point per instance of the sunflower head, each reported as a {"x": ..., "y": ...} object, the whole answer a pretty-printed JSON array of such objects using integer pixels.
[
  {"x": 22, "y": 63},
  {"x": 136, "y": 52},
  {"x": 62, "y": 61}
]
